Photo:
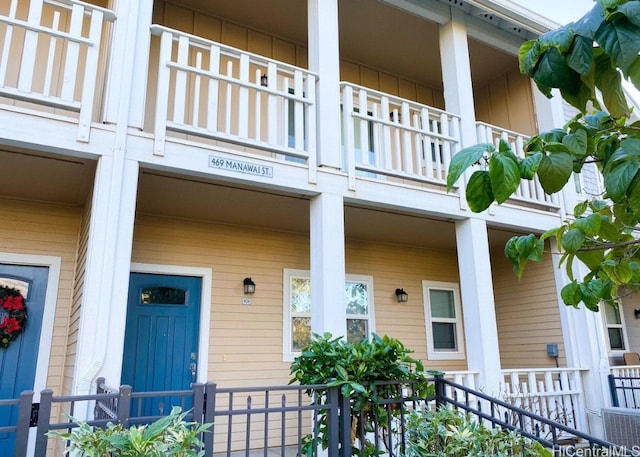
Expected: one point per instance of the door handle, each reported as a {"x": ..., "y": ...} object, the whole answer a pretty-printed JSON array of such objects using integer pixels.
[{"x": 193, "y": 367}]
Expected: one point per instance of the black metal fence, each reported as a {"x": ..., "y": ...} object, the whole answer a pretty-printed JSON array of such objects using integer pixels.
[
  {"x": 625, "y": 391},
  {"x": 287, "y": 420}
]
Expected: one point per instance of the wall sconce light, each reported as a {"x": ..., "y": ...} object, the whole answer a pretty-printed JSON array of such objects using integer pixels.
[
  {"x": 402, "y": 296},
  {"x": 264, "y": 80},
  {"x": 636, "y": 313},
  {"x": 249, "y": 286}
]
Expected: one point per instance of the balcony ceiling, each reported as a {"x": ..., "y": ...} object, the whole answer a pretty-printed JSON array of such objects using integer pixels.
[
  {"x": 56, "y": 179},
  {"x": 372, "y": 33}
]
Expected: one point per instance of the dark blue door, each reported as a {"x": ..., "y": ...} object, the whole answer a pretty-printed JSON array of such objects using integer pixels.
[
  {"x": 161, "y": 338},
  {"x": 18, "y": 361}
]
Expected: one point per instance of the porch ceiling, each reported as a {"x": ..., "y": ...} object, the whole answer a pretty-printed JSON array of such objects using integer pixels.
[{"x": 35, "y": 176}]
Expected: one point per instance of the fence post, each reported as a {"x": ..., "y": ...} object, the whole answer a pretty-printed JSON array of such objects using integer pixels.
[
  {"x": 198, "y": 402},
  {"x": 439, "y": 385},
  {"x": 22, "y": 428},
  {"x": 44, "y": 418},
  {"x": 345, "y": 425},
  {"x": 333, "y": 421},
  {"x": 614, "y": 391},
  {"x": 209, "y": 416},
  {"x": 124, "y": 405}
]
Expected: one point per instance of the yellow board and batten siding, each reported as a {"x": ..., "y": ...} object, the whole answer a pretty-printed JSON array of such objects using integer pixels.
[
  {"x": 246, "y": 340},
  {"x": 528, "y": 314}
]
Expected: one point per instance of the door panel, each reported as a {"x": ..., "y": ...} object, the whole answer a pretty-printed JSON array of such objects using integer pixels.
[
  {"x": 161, "y": 337},
  {"x": 18, "y": 361}
]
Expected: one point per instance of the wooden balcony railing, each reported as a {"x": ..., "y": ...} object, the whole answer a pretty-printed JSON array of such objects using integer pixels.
[
  {"x": 51, "y": 56},
  {"x": 215, "y": 91},
  {"x": 386, "y": 136},
  {"x": 530, "y": 192}
]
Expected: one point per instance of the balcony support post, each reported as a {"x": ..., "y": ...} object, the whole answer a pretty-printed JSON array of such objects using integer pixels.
[
  {"x": 324, "y": 60},
  {"x": 476, "y": 287},
  {"x": 328, "y": 313},
  {"x": 456, "y": 75}
]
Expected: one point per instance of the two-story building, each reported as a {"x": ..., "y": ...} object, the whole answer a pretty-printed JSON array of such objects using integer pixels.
[{"x": 157, "y": 155}]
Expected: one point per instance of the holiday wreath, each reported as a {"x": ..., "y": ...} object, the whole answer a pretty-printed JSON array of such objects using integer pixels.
[{"x": 14, "y": 313}]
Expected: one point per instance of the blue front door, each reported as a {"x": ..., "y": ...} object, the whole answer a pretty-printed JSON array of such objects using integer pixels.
[
  {"x": 18, "y": 361},
  {"x": 161, "y": 337}
]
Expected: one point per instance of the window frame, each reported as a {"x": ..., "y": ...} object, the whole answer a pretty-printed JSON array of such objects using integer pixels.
[
  {"x": 621, "y": 326},
  {"x": 287, "y": 354},
  {"x": 432, "y": 353}
]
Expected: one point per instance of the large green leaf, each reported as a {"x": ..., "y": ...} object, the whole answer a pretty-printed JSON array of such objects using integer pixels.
[
  {"x": 528, "y": 56},
  {"x": 529, "y": 165},
  {"x": 504, "y": 173},
  {"x": 632, "y": 11},
  {"x": 573, "y": 240},
  {"x": 577, "y": 142},
  {"x": 634, "y": 73},
  {"x": 464, "y": 159},
  {"x": 590, "y": 22},
  {"x": 560, "y": 38},
  {"x": 553, "y": 71},
  {"x": 479, "y": 193},
  {"x": 571, "y": 294},
  {"x": 581, "y": 56},
  {"x": 609, "y": 81},
  {"x": 621, "y": 40},
  {"x": 590, "y": 225},
  {"x": 633, "y": 194},
  {"x": 591, "y": 259},
  {"x": 619, "y": 177},
  {"x": 554, "y": 171}
]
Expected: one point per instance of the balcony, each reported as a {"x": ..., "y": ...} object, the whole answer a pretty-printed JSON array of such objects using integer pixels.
[{"x": 209, "y": 95}]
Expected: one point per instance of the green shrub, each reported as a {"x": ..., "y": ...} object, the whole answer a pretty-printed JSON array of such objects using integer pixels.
[
  {"x": 168, "y": 436},
  {"x": 447, "y": 432},
  {"x": 355, "y": 368}
]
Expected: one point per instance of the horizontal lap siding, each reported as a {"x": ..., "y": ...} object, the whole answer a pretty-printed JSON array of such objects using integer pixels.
[
  {"x": 39, "y": 229},
  {"x": 404, "y": 267},
  {"x": 527, "y": 313},
  {"x": 246, "y": 340}
]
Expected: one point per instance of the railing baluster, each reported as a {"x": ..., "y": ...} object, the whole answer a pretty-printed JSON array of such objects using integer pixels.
[
  {"x": 214, "y": 87},
  {"x": 29, "y": 48},
  {"x": 73, "y": 52},
  {"x": 298, "y": 112},
  {"x": 6, "y": 47},
  {"x": 243, "y": 98},
  {"x": 51, "y": 55}
]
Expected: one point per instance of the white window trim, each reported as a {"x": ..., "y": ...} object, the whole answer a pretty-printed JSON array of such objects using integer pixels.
[
  {"x": 432, "y": 354},
  {"x": 287, "y": 354},
  {"x": 621, "y": 325}
]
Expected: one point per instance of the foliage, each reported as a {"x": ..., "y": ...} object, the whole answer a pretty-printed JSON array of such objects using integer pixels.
[
  {"x": 168, "y": 436},
  {"x": 12, "y": 305},
  {"x": 580, "y": 59},
  {"x": 356, "y": 368},
  {"x": 447, "y": 432}
]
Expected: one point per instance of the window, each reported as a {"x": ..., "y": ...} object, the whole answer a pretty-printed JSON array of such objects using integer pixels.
[
  {"x": 297, "y": 310},
  {"x": 614, "y": 323},
  {"x": 443, "y": 319}
]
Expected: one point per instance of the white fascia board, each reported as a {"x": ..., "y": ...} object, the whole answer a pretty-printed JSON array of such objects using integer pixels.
[
  {"x": 493, "y": 36},
  {"x": 516, "y": 14}
]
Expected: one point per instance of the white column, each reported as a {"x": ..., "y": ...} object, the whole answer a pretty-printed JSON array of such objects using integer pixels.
[
  {"x": 328, "y": 312},
  {"x": 456, "y": 75},
  {"x": 478, "y": 304},
  {"x": 106, "y": 278},
  {"x": 324, "y": 59},
  {"x": 131, "y": 35},
  {"x": 585, "y": 347}
]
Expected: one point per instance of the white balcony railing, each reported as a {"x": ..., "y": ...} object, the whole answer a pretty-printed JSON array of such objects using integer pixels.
[
  {"x": 387, "y": 136},
  {"x": 215, "y": 91},
  {"x": 529, "y": 191},
  {"x": 554, "y": 393},
  {"x": 51, "y": 53}
]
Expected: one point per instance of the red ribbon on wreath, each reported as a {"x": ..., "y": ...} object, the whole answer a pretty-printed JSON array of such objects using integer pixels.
[{"x": 15, "y": 315}]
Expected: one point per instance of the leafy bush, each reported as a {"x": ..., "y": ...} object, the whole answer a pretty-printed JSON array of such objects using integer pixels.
[
  {"x": 168, "y": 436},
  {"x": 447, "y": 432},
  {"x": 356, "y": 368}
]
